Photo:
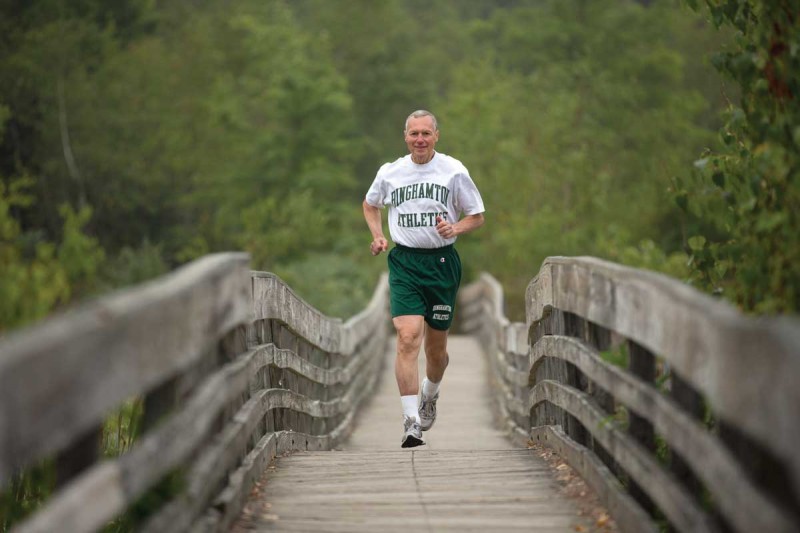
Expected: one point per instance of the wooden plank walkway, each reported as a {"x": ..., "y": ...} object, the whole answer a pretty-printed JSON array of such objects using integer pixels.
[{"x": 468, "y": 477}]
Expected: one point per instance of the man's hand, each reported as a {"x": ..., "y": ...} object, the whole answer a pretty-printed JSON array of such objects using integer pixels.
[
  {"x": 378, "y": 245},
  {"x": 373, "y": 217},
  {"x": 445, "y": 229},
  {"x": 465, "y": 225}
]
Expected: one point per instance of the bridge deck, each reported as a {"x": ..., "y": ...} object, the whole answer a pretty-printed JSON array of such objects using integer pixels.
[{"x": 467, "y": 477}]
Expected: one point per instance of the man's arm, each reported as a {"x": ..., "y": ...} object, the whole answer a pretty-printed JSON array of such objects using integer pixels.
[
  {"x": 465, "y": 225},
  {"x": 373, "y": 217}
]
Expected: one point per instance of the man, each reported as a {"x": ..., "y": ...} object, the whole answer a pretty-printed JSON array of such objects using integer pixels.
[{"x": 426, "y": 192}]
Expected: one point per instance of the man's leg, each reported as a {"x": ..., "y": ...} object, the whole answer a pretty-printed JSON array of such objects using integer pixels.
[
  {"x": 409, "y": 339},
  {"x": 436, "y": 360}
]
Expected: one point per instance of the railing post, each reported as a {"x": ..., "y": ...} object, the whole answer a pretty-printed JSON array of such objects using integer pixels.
[
  {"x": 600, "y": 339},
  {"x": 574, "y": 326},
  {"x": 157, "y": 403},
  {"x": 547, "y": 414},
  {"x": 83, "y": 453},
  {"x": 692, "y": 403},
  {"x": 641, "y": 364}
]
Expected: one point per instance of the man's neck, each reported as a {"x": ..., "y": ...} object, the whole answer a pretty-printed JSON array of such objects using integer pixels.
[{"x": 427, "y": 160}]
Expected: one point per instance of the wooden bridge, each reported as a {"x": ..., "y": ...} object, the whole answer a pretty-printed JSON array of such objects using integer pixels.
[{"x": 261, "y": 413}]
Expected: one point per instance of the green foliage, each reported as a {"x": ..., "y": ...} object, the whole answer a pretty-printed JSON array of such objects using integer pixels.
[
  {"x": 137, "y": 135},
  {"x": 165, "y": 490},
  {"x": 121, "y": 428},
  {"x": 33, "y": 281},
  {"x": 259, "y": 125},
  {"x": 25, "y": 493},
  {"x": 745, "y": 195},
  {"x": 39, "y": 275},
  {"x": 135, "y": 265},
  {"x": 617, "y": 356},
  {"x": 573, "y": 130},
  {"x": 342, "y": 284},
  {"x": 279, "y": 229},
  {"x": 78, "y": 253}
]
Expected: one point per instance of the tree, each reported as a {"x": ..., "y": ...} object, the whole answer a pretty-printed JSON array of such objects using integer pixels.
[
  {"x": 573, "y": 122},
  {"x": 746, "y": 195}
]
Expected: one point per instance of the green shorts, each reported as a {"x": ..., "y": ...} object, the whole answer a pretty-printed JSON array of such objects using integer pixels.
[{"x": 425, "y": 282}]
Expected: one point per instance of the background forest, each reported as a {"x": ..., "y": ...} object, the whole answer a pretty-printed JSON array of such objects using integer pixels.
[{"x": 137, "y": 135}]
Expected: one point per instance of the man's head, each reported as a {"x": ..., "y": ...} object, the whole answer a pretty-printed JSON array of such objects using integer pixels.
[{"x": 421, "y": 133}]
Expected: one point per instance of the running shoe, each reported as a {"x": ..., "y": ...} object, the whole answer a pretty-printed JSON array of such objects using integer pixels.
[
  {"x": 412, "y": 435},
  {"x": 427, "y": 412}
]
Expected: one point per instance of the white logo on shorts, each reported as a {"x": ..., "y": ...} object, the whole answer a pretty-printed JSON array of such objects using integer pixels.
[{"x": 442, "y": 259}]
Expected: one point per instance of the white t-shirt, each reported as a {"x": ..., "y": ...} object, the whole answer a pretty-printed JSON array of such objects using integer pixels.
[{"x": 417, "y": 194}]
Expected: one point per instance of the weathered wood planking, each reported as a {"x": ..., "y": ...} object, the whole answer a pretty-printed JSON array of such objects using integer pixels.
[
  {"x": 746, "y": 506},
  {"x": 746, "y": 367},
  {"x": 61, "y": 378},
  {"x": 326, "y": 374},
  {"x": 506, "y": 345},
  {"x": 575, "y": 307},
  {"x": 273, "y": 299}
]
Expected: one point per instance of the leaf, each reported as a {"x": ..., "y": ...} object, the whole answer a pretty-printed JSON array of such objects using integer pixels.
[
  {"x": 770, "y": 221},
  {"x": 719, "y": 179},
  {"x": 697, "y": 242}
]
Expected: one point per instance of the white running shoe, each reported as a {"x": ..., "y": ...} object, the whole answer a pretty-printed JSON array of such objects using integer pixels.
[
  {"x": 412, "y": 435},
  {"x": 427, "y": 412}
]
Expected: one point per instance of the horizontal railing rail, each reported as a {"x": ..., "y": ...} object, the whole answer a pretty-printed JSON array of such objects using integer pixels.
[
  {"x": 674, "y": 406},
  {"x": 232, "y": 368}
]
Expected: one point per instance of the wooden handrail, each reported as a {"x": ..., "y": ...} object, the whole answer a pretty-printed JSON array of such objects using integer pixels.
[
  {"x": 714, "y": 387},
  {"x": 233, "y": 366}
]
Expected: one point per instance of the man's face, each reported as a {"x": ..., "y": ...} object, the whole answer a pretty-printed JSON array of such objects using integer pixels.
[{"x": 421, "y": 138}]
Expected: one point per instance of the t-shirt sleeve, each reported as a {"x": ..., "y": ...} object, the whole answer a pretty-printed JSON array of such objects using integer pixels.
[
  {"x": 377, "y": 191},
  {"x": 468, "y": 199}
]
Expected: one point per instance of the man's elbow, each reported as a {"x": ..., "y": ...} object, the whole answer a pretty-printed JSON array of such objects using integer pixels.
[{"x": 479, "y": 220}]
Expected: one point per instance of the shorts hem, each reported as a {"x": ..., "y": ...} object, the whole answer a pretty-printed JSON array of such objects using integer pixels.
[{"x": 437, "y": 326}]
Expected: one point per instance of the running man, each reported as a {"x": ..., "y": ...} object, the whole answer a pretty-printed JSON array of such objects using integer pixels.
[{"x": 426, "y": 192}]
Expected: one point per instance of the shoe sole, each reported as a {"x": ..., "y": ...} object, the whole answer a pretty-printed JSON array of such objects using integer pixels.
[
  {"x": 427, "y": 428},
  {"x": 412, "y": 442}
]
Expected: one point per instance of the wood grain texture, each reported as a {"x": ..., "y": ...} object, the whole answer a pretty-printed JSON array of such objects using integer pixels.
[
  {"x": 102, "y": 353},
  {"x": 449, "y": 490},
  {"x": 743, "y": 503},
  {"x": 219, "y": 427},
  {"x": 678, "y": 506},
  {"x": 273, "y": 299},
  {"x": 630, "y": 517},
  {"x": 468, "y": 476},
  {"x": 746, "y": 367}
]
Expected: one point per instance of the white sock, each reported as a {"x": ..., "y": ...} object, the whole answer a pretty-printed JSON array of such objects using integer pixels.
[
  {"x": 410, "y": 406},
  {"x": 429, "y": 388}
]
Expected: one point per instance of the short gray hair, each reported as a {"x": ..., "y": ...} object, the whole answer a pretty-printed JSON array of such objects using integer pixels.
[{"x": 419, "y": 113}]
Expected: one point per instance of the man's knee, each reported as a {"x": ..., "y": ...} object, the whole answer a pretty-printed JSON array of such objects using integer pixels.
[
  {"x": 409, "y": 333},
  {"x": 407, "y": 340}
]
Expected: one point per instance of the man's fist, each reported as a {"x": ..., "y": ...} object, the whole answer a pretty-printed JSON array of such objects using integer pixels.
[
  {"x": 378, "y": 245},
  {"x": 444, "y": 228}
]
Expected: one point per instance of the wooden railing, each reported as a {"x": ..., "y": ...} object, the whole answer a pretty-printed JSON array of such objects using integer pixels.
[
  {"x": 697, "y": 425},
  {"x": 234, "y": 368}
]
